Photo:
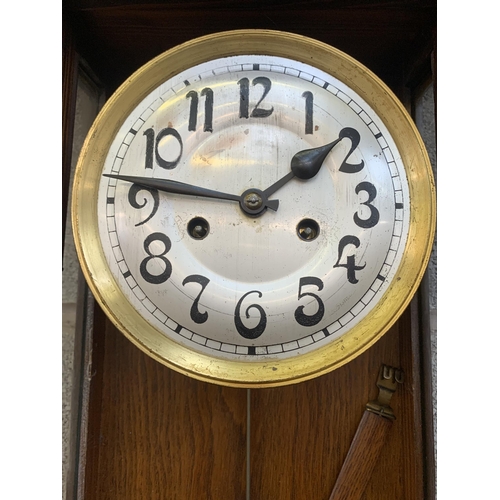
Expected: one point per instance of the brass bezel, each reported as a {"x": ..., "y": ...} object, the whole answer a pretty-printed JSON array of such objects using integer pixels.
[{"x": 251, "y": 374}]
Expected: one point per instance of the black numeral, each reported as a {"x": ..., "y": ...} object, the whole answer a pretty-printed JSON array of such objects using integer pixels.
[
  {"x": 152, "y": 147},
  {"x": 351, "y": 263},
  {"x": 374, "y": 213},
  {"x": 132, "y": 199},
  {"x": 245, "y": 97},
  {"x": 314, "y": 319},
  {"x": 162, "y": 277},
  {"x": 195, "y": 314},
  {"x": 353, "y": 135},
  {"x": 250, "y": 333},
  {"x": 309, "y": 111},
  {"x": 193, "y": 109}
]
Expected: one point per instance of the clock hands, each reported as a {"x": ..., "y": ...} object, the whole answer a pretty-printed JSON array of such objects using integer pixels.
[
  {"x": 307, "y": 163},
  {"x": 254, "y": 202}
]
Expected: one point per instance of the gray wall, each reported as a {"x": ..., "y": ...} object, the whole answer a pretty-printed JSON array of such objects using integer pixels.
[
  {"x": 87, "y": 104},
  {"x": 425, "y": 121}
]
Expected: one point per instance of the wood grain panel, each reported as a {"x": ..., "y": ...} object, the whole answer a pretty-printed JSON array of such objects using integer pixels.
[
  {"x": 117, "y": 40},
  {"x": 156, "y": 434},
  {"x": 301, "y": 434}
]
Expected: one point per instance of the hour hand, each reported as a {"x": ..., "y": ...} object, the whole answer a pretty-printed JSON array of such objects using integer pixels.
[{"x": 307, "y": 163}]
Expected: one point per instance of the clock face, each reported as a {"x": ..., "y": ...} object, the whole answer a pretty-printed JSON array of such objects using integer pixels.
[{"x": 252, "y": 212}]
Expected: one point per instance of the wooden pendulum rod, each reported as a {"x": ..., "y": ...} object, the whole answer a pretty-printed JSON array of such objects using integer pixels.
[{"x": 369, "y": 439}]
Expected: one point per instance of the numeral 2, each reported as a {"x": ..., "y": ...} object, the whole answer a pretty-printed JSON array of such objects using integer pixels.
[{"x": 353, "y": 135}]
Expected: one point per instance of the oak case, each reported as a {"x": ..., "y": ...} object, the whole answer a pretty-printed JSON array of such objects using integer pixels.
[{"x": 145, "y": 431}]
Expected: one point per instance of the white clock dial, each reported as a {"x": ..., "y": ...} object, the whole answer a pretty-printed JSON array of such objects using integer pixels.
[
  {"x": 245, "y": 286},
  {"x": 253, "y": 208}
]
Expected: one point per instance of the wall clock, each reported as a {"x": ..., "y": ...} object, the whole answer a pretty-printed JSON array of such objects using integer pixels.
[{"x": 253, "y": 208}]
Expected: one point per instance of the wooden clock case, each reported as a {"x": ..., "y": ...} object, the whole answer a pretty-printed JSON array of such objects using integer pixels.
[{"x": 141, "y": 430}]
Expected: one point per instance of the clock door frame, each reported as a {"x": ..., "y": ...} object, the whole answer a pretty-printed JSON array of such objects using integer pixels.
[{"x": 140, "y": 430}]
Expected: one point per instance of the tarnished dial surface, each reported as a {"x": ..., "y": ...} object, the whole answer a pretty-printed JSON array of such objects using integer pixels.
[
  {"x": 252, "y": 286},
  {"x": 285, "y": 224}
]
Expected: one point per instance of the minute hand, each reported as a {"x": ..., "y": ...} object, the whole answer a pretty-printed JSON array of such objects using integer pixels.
[
  {"x": 176, "y": 187},
  {"x": 307, "y": 163}
]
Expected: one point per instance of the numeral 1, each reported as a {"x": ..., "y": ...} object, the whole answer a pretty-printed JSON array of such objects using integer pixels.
[{"x": 309, "y": 111}]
